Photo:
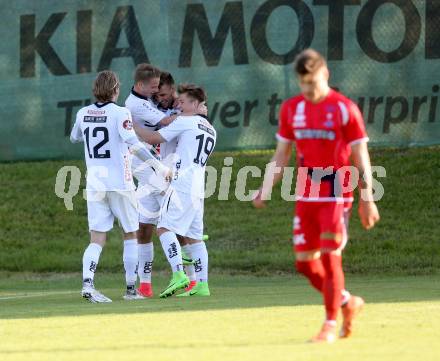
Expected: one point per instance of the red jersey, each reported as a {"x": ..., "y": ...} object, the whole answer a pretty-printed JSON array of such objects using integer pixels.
[{"x": 323, "y": 133}]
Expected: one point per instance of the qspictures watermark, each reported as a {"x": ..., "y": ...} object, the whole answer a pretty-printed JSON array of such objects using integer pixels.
[{"x": 309, "y": 182}]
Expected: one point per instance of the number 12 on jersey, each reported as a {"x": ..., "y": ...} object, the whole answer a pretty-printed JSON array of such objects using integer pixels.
[{"x": 97, "y": 147}]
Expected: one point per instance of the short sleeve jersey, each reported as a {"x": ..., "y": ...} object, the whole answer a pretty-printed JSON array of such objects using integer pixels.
[
  {"x": 145, "y": 114},
  {"x": 104, "y": 128},
  {"x": 196, "y": 139},
  {"x": 167, "y": 149},
  {"x": 143, "y": 110},
  {"x": 323, "y": 133}
]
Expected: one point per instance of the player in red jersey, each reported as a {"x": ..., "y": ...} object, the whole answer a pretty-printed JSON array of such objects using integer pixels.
[{"x": 327, "y": 129}]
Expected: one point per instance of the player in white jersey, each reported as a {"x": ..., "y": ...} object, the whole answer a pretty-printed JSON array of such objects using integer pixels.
[
  {"x": 107, "y": 132},
  {"x": 166, "y": 100},
  {"x": 182, "y": 208},
  {"x": 146, "y": 116}
]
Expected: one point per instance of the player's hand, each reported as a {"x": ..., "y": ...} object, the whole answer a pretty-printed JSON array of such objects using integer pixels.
[
  {"x": 257, "y": 201},
  {"x": 168, "y": 120},
  {"x": 202, "y": 109},
  {"x": 169, "y": 175},
  {"x": 166, "y": 173},
  {"x": 368, "y": 213},
  {"x": 176, "y": 102}
]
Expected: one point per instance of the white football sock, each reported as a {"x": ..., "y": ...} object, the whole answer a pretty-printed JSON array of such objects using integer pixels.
[
  {"x": 130, "y": 258},
  {"x": 90, "y": 260},
  {"x": 146, "y": 256},
  {"x": 200, "y": 256},
  {"x": 172, "y": 250},
  {"x": 345, "y": 297},
  {"x": 189, "y": 269}
]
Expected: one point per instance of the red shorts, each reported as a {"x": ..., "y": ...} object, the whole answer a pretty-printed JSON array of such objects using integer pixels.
[{"x": 318, "y": 225}]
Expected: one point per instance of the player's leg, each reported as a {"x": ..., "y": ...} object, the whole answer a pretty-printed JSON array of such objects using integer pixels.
[
  {"x": 307, "y": 245},
  {"x": 330, "y": 217},
  {"x": 198, "y": 251},
  {"x": 130, "y": 260},
  {"x": 124, "y": 207},
  {"x": 175, "y": 217},
  {"x": 149, "y": 208},
  {"x": 200, "y": 255},
  {"x": 351, "y": 304},
  {"x": 146, "y": 258},
  {"x": 309, "y": 263},
  {"x": 188, "y": 263},
  {"x": 100, "y": 221},
  {"x": 173, "y": 253}
]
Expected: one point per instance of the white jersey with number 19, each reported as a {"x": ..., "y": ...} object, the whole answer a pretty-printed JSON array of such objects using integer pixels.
[
  {"x": 105, "y": 128},
  {"x": 196, "y": 139}
]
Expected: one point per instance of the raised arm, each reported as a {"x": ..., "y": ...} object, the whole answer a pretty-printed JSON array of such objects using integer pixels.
[
  {"x": 148, "y": 136},
  {"x": 167, "y": 120}
]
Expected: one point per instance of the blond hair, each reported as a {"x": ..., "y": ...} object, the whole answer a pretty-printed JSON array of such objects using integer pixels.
[
  {"x": 145, "y": 72},
  {"x": 105, "y": 86}
]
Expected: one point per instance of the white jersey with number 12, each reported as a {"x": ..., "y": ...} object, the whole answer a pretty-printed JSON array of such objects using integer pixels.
[{"x": 104, "y": 128}]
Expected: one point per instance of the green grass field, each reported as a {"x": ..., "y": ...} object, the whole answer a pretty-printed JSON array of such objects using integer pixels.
[
  {"x": 270, "y": 317},
  {"x": 38, "y": 234},
  {"x": 246, "y": 318}
]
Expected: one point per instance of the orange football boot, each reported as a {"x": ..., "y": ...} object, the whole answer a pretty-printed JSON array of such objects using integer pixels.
[
  {"x": 190, "y": 286},
  {"x": 349, "y": 313},
  {"x": 145, "y": 289},
  {"x": 326, "y": 335}
]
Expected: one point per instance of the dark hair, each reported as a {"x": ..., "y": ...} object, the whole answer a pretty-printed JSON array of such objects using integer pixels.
[
  {"x": 193, "y": 91},
  {"x": 166, "y": 79},
  {"x": 309, "y": 61},
  {"x": 145, "y": 72},
  {"x": 105, "y": 86}
]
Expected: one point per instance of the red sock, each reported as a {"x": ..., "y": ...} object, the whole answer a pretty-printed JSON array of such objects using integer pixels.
[
  {"x": 314, "y": 271},
  {"x": 333, "y": 284}
]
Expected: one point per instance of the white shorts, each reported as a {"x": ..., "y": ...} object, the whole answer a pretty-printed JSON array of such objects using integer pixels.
[
  {"x": 148, "y": 177},
  {"x": 149, "y": 192},
  {"x": 103, "y": 207},
  {"x": 182, "y": 214},
  {"x": 149, "y": 207}
]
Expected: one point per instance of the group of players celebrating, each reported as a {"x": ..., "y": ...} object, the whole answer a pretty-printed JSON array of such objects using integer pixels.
[
  {"x": 326, "y": 127},
  {"x": 164, "y": 140}
]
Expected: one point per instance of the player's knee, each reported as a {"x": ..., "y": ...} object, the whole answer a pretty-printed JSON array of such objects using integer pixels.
[
  {"x": 302, "y": 267},
  {"x": 161, "y": 231},
  {"x": 307, "y": 255},
  {"x": 332, "y": 262},
  {"x": 98, "y": 237},
  {"x": 309, "y": 267},
  {"x": 145, "y": 233},
  {"x": 130, "y": 235}
]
